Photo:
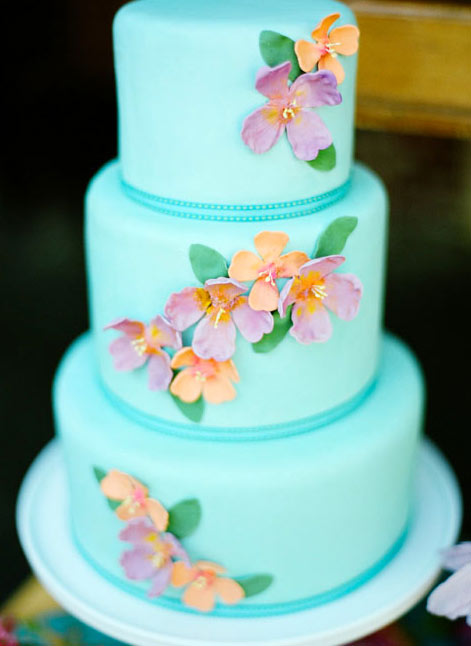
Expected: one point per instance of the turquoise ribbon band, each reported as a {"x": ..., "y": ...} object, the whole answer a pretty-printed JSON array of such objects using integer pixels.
[
  {"x": 252, "y": 610},
  {"x": 236, "y": 212},
  {"x": 198, "y": 431}
]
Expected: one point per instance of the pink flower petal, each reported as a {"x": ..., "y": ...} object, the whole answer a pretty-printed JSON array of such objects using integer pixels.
[
  {"x": 344, "y": 293},
  {"x": 262, "y": 129},
  {"x": 128, "y": 327},
  {"x": 307, "y": 134},
  {"x": 252, "y": 324},
  {"x": 124, "y": 354},
  {"x": 457, "y": 556},
  {"x": 136, "y": 531},
  {"x": 324, "y": 266},
  {"x": 161, "y": 580},
  {"x": 210, "y": 342},
  {"x": 272, "y": 82},
  {"x": 161, "y": 333},
  {"x": 311, "y": 322},
  {"x": 286, "y": 298},
  {"x": 177, "y": 549},
  {"x": 227, "y": 288},
  {"x": 315, "y": 90},
  {"x": 136, "y": 563},
  {"x": 184, "y": 308},
  {"x": 160, "y": 373},
  {"x": 452, "y": 598}
]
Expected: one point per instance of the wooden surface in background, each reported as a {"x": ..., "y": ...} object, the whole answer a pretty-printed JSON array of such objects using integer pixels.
[{"x": 415, "y": 67}]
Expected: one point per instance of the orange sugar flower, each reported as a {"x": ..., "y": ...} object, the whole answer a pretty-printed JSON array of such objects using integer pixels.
[
  {"x": 264, "y": 271},
  {"x": 208, "y": 377},
  {"x": 205, "y": 584},
  {"x": 135, "y": 502},
  {"x": 324, "y": 51}
]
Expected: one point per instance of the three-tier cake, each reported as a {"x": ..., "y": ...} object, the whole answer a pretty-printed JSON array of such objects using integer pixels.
[{"x": 239, "y": 433}]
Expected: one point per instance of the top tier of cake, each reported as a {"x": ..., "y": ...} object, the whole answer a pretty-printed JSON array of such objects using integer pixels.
[{"x": 186, "y": 76}]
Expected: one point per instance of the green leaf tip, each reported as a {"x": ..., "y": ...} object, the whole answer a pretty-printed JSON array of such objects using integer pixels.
[
  {"x": 194, "y": 411},
  {"x": 276, "y": 49},
  {"x": 280, "y": 328},
  {"x": 184, "y": 517},
  {"x": 335, "y": 236},
  {"x": 99, "y": 473},
  {"x": 207, "y": 263},
  {"x": 256, "y": 584},
  {"x": 325, "y": 160}
]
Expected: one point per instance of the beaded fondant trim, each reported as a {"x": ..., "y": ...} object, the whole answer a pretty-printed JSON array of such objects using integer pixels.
[
  {"x": 237, "y": 212},
  {"x": 242, "y": 433}
]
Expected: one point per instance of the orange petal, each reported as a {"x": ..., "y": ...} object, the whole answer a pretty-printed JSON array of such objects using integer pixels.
[
  {"x": 290, "y": 263},
  {"x": 217, "y": 390},
  {"x": 323, "y": 27},
  {"x": 308, "y": 54},
  {"x": 228, "y": 369},
  {"x": 157, "y": 513},
  {"x": 128, "y": 511},
  {"x": 181, "y": 574},
  {"x": 345, "y": 39},
  {"x": 202, "y": 599},
  {"x": 229, "y": 591},
  {"x": 332, "y": 64},
  {"x": 210, "y": 565},
  {"x": 184, "y": 357},
  {"x": 118, "y": 485},
  {"x": 264, "y": 296},
  {"x": 270, "y": 244},
  {"x": 186, "y": 386},
  {"x": 245, "y": 265}
]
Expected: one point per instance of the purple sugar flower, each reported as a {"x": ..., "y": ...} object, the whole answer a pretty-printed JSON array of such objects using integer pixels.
[
  {"x": 452, "y": 598},
  {"x": 153, "y": 555},
  {"x": 223, "y": 308}
]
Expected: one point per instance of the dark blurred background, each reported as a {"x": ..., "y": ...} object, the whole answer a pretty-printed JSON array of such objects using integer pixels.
[{"x": 60, "y": 127}]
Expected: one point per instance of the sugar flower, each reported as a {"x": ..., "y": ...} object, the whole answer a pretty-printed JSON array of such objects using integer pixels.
[
  {"x": 289, "y": 108},
  {"x": 452, "y": 598},
  {"x": 207, "y": 377},
  {"x": 324, "y": 51},
  {"x": 141, "y": 343},
  {"x": 315, "y": 290},
  {"x": 134, "y": 498},
  {"x": 153, "y": 555},
  {"x": 264, "y": 271},
  {"x": 204, "y": 584},
  {"x": 7, "y": 636},
  {"x": 222, "y": 308}
]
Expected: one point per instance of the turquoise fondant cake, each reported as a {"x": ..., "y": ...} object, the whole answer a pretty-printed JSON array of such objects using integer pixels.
[{"x": 239, "y": 433}]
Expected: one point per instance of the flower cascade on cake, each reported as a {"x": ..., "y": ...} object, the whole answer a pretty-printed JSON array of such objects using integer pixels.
[
  {"x": 295, "y": 88},
  {"x": 241, "y": 295},
  {"x": 157, "y": 554}
]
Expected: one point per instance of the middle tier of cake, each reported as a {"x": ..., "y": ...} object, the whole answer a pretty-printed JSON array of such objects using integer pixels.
[
  {"x": 138, "y": 255},
  {"x": 304, "y": 518}
]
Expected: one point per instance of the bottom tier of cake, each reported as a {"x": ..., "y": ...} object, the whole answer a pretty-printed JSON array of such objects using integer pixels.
[{"x": 295, "y": 521}]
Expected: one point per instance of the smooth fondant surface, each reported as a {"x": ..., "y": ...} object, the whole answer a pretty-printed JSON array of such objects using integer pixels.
[
  {"x": 137, "y": 257},
  {"x": 314, "y": 510},
  {"x": 186, "y": 80}
]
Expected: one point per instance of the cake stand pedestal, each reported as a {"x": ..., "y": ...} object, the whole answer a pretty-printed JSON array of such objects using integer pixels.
[{"x": 43, "y": 524}]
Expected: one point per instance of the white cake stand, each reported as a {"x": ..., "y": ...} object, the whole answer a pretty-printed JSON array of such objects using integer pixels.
[{"x": 44, "y": 532}]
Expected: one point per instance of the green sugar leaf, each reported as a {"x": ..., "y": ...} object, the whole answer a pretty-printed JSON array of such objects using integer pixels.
[
  {"x": 334, "y": 238},
  {"x": 99, "y": 473},
  {"x": 325, "y": 160},
  {"x": 113, "y": 504},
  {"x": 194, "y": 412},
  {"x": 184, "y": 518},
  {"x": 276, "y": 49},
  {"x": 256, "y": 584},
  {"x": 207, "y": 263},
  {"x": 280, "y": 329}
]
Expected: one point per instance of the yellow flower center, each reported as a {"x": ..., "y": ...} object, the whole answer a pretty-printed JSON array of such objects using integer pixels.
[
  {"x": 140, "y": 345},
  {"x": 310, "y": 285},
  {"x": 204, "y": 579},
  {"x": 290, "y": 111},
  {"x": 162, "y": 551},
  {"x": 270, "y": 274}
]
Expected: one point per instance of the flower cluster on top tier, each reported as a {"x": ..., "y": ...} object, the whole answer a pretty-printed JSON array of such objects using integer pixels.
[
  {"x": 242, "y": 295},
  {"x": 157, "y": 554},
  {"x": 290, "y": 106}
]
